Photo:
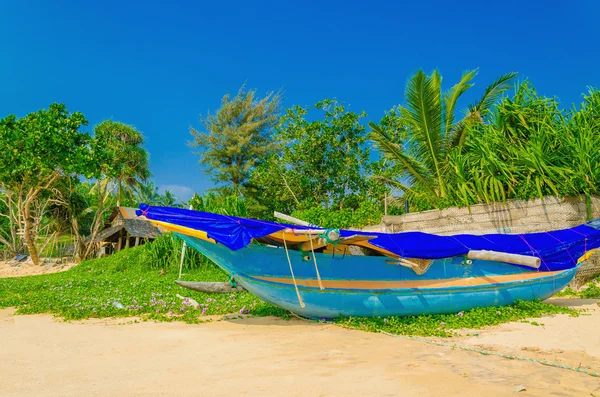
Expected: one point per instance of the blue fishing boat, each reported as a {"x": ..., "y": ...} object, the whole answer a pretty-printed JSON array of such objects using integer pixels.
[{"x": 327, "y": 273}]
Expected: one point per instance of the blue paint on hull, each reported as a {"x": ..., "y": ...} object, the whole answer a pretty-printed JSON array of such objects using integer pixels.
[{"x": 259, "y": 261}]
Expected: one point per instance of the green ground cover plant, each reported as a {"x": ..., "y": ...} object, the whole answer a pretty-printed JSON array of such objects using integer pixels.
[
  {"x": 99, "y": 287},
  {"x": 446, "y": 325},
  {"x": 132, "y": 284},
  {"x": 590, "y": 291}
]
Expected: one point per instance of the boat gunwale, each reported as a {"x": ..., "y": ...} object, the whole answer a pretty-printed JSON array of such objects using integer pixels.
[{"x": 544, "y": 277}]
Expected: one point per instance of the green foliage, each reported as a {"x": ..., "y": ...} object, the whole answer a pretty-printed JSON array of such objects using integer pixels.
[
  {"x": 147, "y": 192},
  {"x": 530, "y": 149},
  {"x": 42, "y": 145},
  {"x": 165, "y": 253},
  {"x": 419, "y": 136},
  {"x": 38, "y": 150},
  {"x": 225, "y": 204},
  {"x": 592, "y": 291},
  {"x": 320, "y": 163},
  {"x": 445, "y": 325},
  {"x": 524, "y": 146},
  {"x": 118, "y": 148},
  {"x": 368, "y": 213},
  {"x": 589, "y": 291},
  {"x": 92, "y": 288},
  {"x": 237, "y": 136}
]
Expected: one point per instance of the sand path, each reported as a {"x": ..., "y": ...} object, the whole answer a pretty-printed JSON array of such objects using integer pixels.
[
  {"x": 27, "y": 268},
  {"x": 272, "y": 357}
]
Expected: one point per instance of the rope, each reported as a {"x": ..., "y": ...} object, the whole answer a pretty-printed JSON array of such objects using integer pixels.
[
  {"x": 312, "y": 250},
  {"x": 595, "y": 374},
  {"x": 328, "y": 240},
  {"x": 491, "y": 353},
  {"x": 534, "y": 251},
  {"x": 564, "y": 245},
  {"x": 292, "y": 271},
  {"x": 584, "y": 241}
]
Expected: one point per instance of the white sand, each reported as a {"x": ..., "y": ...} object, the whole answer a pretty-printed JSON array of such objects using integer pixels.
[
  {"x": 27, "y": 268},
  {"x": 271, "y": 357}
]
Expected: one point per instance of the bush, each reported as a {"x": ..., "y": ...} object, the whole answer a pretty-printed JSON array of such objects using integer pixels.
[
  {"x": 367, "y": 213},
  {"x": 165, "y": 253}
]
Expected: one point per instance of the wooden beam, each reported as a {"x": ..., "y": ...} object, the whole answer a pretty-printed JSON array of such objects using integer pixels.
[
  {"x": 304, "y": 231},
  {"x": 210, "y": 287},
  {"x": 137, "y": 242},
  {"x": 513, "y": 259},
  {"x": 291, "y": 219}
]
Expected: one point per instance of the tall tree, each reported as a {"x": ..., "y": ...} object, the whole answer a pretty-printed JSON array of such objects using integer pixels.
[
  {"x": 121, "y": 164},
  {"x": 237, "y": 136},
  {"x": 427, "y": 121},
  {"x": 168, "y": 199},
  {"x": 147, "y": 193},
  {"x": 320, "y": 163},
  {"x": 37, "y": 150},
  {"x": 123, "y": 158}
]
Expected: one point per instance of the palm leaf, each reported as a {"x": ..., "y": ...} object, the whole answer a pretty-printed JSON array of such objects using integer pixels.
[
  {"x": 394, "y": 152},
  {"x": 423, "y": 113},
  {"x": 492, "y": 93},
  {"x": 452, "y": 95},
  {"x": 394, "y": 184}
]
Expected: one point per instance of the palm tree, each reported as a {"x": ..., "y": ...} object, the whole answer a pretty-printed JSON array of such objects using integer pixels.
[
  {"x": 428, "y": 121},
  {"x": 168, "y": 199},
  {"x": 147, "y": 193},
  {"x": 129, "y": 160}
]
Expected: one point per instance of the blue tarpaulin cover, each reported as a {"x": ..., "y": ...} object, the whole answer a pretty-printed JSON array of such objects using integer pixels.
[{"x": 557, "y": 249}]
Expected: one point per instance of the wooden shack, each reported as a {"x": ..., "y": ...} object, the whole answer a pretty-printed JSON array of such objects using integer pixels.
[{"x": 125, "y": 229}]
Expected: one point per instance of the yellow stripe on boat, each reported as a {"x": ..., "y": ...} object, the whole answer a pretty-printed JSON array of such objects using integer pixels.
[
  {"x": 441, "y": 283},
  {"x": 183, "y": 230},
  {"x": 586, "y": 256}
]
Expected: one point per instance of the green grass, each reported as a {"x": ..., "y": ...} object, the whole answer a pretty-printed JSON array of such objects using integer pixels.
[
  {"x": 445, "y": 325},
  {"x": 592, "y": 291},
  {"x": 92, "y": 288}
]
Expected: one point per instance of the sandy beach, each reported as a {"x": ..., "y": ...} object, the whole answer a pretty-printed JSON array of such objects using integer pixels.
[
  {"x": 43, "y": 356},
  {"x": 27, "y": 268}
]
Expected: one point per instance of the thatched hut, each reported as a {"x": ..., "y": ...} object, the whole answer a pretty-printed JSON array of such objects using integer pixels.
[{"x": 123, "y": 230}]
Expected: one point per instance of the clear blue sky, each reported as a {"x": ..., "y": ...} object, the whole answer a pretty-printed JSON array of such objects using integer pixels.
[{"x": 158, "y": 66}]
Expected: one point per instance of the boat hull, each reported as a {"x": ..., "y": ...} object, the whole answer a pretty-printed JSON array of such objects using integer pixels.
[{"x": 360, "y": 286}]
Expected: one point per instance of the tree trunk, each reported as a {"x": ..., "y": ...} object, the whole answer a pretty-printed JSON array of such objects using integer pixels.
[
  {"x": 97, "y": 221},
  {"x": 31, "y": 246}
]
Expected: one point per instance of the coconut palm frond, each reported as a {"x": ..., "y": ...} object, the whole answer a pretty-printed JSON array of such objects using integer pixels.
[
  {"x": 394, "y": 152},
  {"x": 423, "y": 112},
  {"x": 452, "y": 95},
  {"x": 394, "y": 184},
  {"x": 492, "y": 93}
]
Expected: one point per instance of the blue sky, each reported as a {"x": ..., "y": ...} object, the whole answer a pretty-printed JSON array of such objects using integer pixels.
[{"x": 158, "y": 66}]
